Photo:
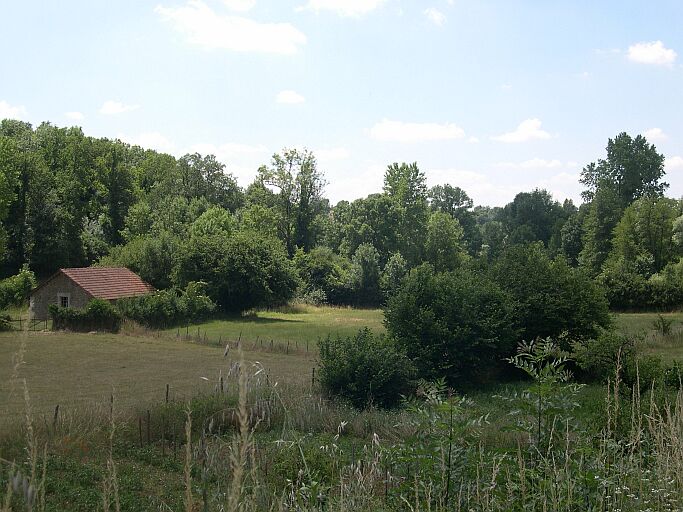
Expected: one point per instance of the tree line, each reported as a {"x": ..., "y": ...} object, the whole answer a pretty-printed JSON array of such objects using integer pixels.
[{"x": 67, "y": 199}]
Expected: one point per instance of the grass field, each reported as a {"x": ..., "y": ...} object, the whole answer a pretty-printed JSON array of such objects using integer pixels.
[
  {"x": 84, "y": 369},
  {"x": 75, "y": 370},
  {"x": 296, "y": 324}
]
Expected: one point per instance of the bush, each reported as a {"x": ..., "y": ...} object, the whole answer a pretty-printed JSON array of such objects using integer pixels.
[
  {"x": 15, "y": 290},
  {"x": 98, "y": 315},
  {"x": 458, "y": 325},
  {"x": 243, "y": 271},
  {"x": 365, "y": 369},
  {"x": 597, "y": 358},
  {"x": 552, "y": 298},
  {"x": 321, "y": 270},
  {"x": 167, "y": 308}
]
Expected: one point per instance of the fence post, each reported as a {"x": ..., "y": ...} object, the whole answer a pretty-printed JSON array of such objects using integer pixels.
[{"x": 167, "y": 393}]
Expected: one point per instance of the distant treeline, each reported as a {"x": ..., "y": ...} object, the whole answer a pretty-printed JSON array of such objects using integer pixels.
[{"x": 68, "y": 200}]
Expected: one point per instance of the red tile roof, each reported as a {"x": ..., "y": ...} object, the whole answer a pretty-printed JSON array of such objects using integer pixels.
[{"x": 108, "y": 282}]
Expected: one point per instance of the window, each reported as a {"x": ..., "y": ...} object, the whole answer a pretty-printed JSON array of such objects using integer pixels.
[{"x": 63, "y": 300}]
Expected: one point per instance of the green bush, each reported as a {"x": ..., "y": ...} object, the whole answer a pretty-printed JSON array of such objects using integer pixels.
[
  {"x": 243, "y": 270},
  {"x": 458, "y": 325},
  {"x": 167, "y": 308},
  {"x": 365, "y": 369},
  {"x": 551, "y": 298},
  {"x": 98, "y": 315},
  {"x": 321, "y": 270},
  {"x": 15, "y": 290},
  {"x": 597, "y": 358}
]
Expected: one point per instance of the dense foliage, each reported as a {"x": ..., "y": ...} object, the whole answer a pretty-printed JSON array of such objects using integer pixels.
[
  {"x": 67, "y": 199},
  {"x": 167, "y": 308},
  {"x": 15, "y": 290},
  {"x": 365, "y": 370},
  {"x": 98, "y": 315},
  {"x": 455, "y": 324}
]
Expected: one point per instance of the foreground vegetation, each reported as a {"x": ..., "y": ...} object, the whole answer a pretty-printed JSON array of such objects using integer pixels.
[{"x": 253, "y": 442}]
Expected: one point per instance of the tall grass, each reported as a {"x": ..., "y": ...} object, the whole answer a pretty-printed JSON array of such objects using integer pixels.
[{"x": 255, "y": 444}]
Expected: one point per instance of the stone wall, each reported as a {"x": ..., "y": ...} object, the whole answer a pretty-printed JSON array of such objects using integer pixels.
[{"x": 43, "y": 297}]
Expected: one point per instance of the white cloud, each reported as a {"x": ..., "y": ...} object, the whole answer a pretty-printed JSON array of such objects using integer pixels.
[
  {"x": 398, "y": 131},
  {"x": 653, "y": 52},
  {"x": 348, "y": 184},
  {"x": 351, "y": 8},
  {"x": 149, "y": 140},
  {"x": 654, "y": 134},
  {"x": 203, "y": 27},
  {"x": 506, "y": 87},
  {"x": 8, "y": 111},
  {"x": 75, "y": 116},
  {"x": 534, "y": 163},
  {"x": 674, "y": 163},
  {"x": 229, "y": 150},
  {"x": 435, "y": 16},
  {"x": 239, "y": 5},
  {"x": 331, "y": 154},
  {"x": 111, "y": 107},
  {"x": 527, "y": 130},
  {"x": 477, "y": 185},
  {"x": 473, "y": 140},
  {"x": 289, "y": 97},
  {"x": 241, "y": 160}
]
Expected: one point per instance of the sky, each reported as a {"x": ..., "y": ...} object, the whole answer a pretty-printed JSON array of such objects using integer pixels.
[{"x": 493, "y": 96}]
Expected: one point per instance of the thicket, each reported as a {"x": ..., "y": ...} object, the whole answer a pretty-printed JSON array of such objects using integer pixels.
[
  {"x": 168, "y": 308},
  {"x": 97, "y": 315},
  {"x": 458, "y": 325},
  {"x": 15, "y": 290},
  {"x": 159, "y": 216},
  {"x": 365, "y": 369}
]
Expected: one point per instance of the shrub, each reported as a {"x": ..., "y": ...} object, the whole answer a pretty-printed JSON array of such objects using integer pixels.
[
  {"x": 597, "y": 358},
  {"x": 552, "y": 298},
  {"x": 15, "y": 290},
  {"x": 323, "y": 270},
  {"x": 458, "y": 325},
  {"x": 167, "y": 308},
  {"x": 314, "y": 297},
  {"x": 98, "y": 315},
  {"x": 365, "y": 369},
  {"x": 242, "y": 271}
]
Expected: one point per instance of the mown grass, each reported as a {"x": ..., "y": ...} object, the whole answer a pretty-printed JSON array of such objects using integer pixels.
[
  {"x": 299, "y": 324},
  {"x": 75, "y": 370}
]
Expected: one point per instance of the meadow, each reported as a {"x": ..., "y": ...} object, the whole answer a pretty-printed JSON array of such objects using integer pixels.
[{"x": 267, "y": 438}]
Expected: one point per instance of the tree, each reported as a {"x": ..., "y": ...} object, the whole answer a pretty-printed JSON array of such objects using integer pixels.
[
  {"x": 533, "y": 216},
  {"x": 458, "y": 325},
  {"x": 204, "y": 176},
  {"x": 9, "y": 177},
  {"x": 322, "y": 269},
  {"x": 455, "y": 202},
  {"x": 602, "y": 217},
  {"x": 365, "y": 276},
  {"x": 633, "y": 168},
  {"x": 300, "y": 185},
  {"x": 372, "y": 220},
  {"x": 444, "y": 245},
  {"x": 392, "y": 275},
  {"x": 405, "y": 184}
]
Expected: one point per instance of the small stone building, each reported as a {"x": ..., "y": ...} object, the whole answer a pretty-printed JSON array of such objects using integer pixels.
[{"x": 75, "y": 287}]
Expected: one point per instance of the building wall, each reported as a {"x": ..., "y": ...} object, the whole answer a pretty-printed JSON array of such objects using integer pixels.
[{"x": 43, "y": 297}]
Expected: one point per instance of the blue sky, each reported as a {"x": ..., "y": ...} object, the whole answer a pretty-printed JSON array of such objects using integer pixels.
[{"x": 496, "y": 97}]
